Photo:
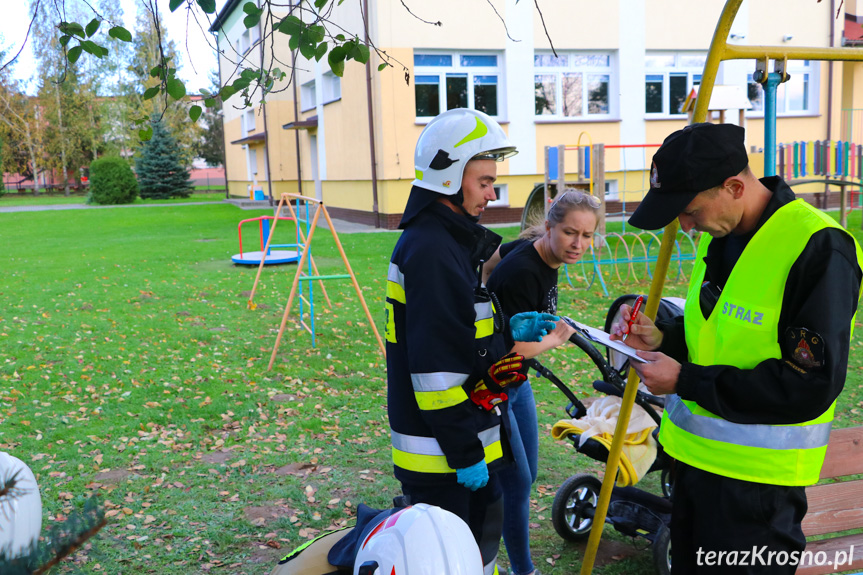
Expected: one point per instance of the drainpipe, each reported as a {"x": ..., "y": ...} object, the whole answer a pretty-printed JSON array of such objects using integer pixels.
[
  {"x": 266, "y": 132},
  {"x": 371, "y": 121},
  {"x": 296, "y": 114}
]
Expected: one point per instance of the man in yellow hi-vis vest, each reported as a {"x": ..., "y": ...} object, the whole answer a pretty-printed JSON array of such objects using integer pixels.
[{"x": 753, "y": 368}]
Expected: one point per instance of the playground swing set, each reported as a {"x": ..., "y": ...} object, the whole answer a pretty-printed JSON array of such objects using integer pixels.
[{"x": 307, "y": 272}]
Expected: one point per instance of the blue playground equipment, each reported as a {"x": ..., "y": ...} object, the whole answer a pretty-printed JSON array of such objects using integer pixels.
[{"x": 273, "y": 257}]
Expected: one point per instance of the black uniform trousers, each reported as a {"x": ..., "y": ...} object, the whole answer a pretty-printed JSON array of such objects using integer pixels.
[
  {"x": 729, "y": 526},
  {"x": 482, "y": 509}
]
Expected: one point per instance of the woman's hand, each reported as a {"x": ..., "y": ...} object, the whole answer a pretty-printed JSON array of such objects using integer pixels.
[
  {"x": 560, "y": 334},
  {"x": 643, "y": 335}
]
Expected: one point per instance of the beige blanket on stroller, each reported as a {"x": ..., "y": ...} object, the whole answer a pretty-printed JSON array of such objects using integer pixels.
[{"x": 639, "y": 447}]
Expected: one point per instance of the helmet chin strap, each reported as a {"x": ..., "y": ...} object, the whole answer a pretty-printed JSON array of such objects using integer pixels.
[{"x": 458, "y": 200}]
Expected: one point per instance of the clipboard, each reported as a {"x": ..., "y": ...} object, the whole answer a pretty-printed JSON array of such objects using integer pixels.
[{"x": 601, "y": 337}]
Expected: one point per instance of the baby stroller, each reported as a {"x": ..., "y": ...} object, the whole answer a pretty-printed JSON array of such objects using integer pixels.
[{"x": 631, "y": 511}]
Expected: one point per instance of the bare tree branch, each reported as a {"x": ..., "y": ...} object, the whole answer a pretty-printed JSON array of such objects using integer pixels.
[
  {"x": 438, "y": 23},
  {"x": 24, "y": 43},
  {"x": 499, "y": 17},
  {"x": 542, "y": 19}
]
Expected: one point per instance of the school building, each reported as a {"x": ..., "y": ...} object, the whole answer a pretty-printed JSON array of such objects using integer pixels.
[{"x": 619, "y": 74}]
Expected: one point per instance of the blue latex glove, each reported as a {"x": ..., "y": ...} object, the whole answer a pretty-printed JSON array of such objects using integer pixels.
[
  {"x": 531, "y": 325},
  {"x": 473, "y": 477}
]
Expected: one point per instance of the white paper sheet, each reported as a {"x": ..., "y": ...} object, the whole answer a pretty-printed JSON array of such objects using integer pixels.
[{"x": 601, "y": 337}]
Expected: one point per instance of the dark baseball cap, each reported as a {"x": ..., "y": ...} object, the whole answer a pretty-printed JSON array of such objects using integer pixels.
[{"x": 690, "y": 161}]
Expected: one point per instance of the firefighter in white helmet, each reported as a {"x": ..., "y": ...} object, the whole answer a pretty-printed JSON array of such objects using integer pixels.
[{"x": 446, "y": 344}]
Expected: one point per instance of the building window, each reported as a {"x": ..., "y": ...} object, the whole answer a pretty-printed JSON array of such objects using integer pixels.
[
  {"x": 446, "y": 81},
  {"x": 244, "y": 43},
  {"x": 308, "y": 96},
  {"x": 332, "y": 87},
  {"x": 248, "y": 123},
  {"x": 794, "y": 97},
  {"x": 669, "y": 77},
  {"x": 502, "y": 193},
  {"x": 572, "y": 85}
]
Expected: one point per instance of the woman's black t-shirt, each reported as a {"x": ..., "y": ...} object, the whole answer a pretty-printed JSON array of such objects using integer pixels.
[{"x": 522, "y": 281}]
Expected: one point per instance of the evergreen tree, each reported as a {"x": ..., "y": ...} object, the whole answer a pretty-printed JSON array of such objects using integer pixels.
[{"x": 161, "y": 173}]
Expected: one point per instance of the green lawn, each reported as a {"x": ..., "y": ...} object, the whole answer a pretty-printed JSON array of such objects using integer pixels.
[
  {"x": 131, "y": 369},
  {"x": 11, "y": 199}
]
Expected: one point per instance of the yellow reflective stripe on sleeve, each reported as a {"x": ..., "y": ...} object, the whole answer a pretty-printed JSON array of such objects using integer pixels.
[
  {"x": 395, "y": 292},
  {"x": 432, "y": 400},
  {"x": 484, "y": 328},
  {"x": 390, "y": 333},
  {"x": 437, "y": 463}
]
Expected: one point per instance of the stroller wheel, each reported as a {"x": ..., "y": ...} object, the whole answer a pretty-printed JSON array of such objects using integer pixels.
[
  {"x": 574, "y": 506},
  {"x": 665, "y": 481},
  {"x": 662, "y": 551}
]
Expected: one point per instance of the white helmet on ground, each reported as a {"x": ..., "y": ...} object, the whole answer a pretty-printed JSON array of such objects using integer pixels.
[
  {"x": 450, "y": 141},
  {"x": 419, "y": 540},
  {"x": 20, "y": 507}
]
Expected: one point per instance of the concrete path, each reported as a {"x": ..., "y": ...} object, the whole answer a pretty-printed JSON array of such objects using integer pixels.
[{"x": 342, "y": 226}]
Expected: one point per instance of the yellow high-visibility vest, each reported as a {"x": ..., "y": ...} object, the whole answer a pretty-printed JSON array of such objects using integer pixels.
[{"x": 742, "y": 331}]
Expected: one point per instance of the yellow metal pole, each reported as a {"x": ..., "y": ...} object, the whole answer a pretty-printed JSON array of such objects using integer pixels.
[{"x": 711, "y": 66}]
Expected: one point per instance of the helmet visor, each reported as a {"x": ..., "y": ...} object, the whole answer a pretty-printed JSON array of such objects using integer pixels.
[{"x": 497, "y": 155}]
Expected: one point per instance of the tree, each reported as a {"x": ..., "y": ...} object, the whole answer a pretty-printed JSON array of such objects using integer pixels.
[
  {"x": 150, "y": 46},
  {"x": 111, "y": 182},
  {"x": 211, "y": 146},
  {"x": 20, "y": 115},
  {"x": 309, "y": 25},
  {"x": 161, "y": 174}
]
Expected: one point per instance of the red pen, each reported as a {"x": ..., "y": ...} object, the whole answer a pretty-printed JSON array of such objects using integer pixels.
[{"x": 635, "y": 309}]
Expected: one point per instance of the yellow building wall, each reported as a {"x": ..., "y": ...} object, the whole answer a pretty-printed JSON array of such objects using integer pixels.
[
  {"x": 351, "y": 195},
  {"x": 281, "y": 142},
  {"x": 675, "y": 25},
  {"x": 575, "y": 25},
  {"x": 235, "y": 156},
  {"x": 347, "y": 129},
  {"x": 807, "y": 22},
  {"x": 464, "y": 25},
  {"x": 395, "y": 118}
]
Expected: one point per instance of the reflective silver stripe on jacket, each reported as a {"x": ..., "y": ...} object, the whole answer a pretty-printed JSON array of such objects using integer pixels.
[
  {"x": 429, "y": 445},
  {"x": 483, "y": 310},
  {"x": 747, "y": 434},
  {"x": 437, "y": 381},
  {"x": 394, "y": 274}
]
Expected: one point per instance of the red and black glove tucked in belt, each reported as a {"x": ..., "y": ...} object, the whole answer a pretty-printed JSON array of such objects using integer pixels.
[{"x": 491, "y": 390}]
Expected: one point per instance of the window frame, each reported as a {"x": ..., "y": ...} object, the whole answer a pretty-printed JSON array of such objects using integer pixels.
[
  {"x": 572, "y": 67},
  {"x": 456, "y": 68},
  {"x": 308, "y": 91},
  {"x": 502, "y": 192},
  {"x": 676, "y": 69},
  {"x": 329, "y": 80},
  {"x": 796, "y": 69}
]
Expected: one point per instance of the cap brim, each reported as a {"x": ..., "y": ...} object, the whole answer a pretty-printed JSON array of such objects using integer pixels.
[{"x": 657, "y": 210}]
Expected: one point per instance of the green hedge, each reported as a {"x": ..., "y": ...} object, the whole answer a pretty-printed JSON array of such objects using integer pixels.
[{"x": 112, "y": 182}]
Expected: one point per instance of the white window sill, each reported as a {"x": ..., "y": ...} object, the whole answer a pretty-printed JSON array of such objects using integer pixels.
[{"x": 587, "y": 120}]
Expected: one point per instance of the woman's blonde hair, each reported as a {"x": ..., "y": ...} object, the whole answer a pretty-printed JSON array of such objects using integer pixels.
[{"x": 562, "y": 205}]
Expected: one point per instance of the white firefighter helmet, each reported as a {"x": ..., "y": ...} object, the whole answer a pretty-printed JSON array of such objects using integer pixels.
[
  {"x": 20, "y": 507},
  {"x": 452, "y": 139},
  {"x": 419, "y": 540}
]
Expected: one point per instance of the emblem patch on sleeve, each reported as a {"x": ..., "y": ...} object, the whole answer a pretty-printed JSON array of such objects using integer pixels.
[{"x": 804, "y": 347}]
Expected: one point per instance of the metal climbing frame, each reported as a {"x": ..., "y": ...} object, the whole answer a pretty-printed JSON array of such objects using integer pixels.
[
  {"x": 720, "y": 51},
  {"x": 288, "y": 201}
]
